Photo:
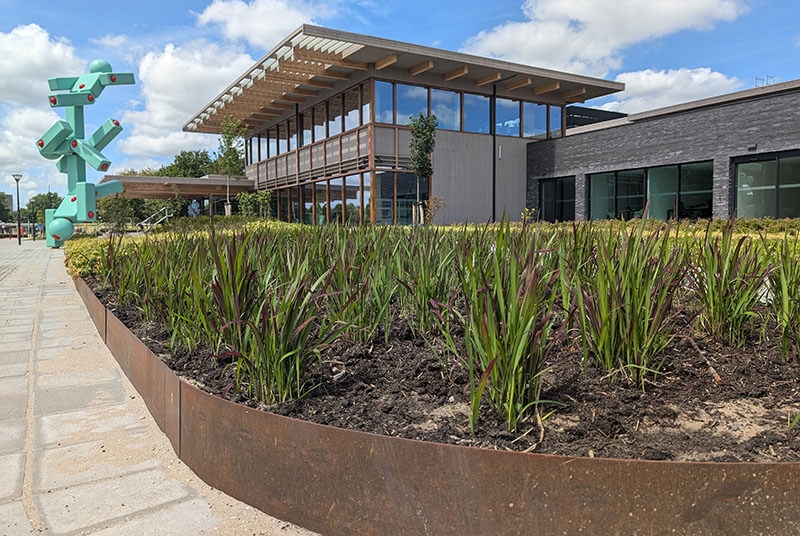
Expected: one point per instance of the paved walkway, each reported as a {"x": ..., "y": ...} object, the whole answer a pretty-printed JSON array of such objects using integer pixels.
[{"x": 79, "y": 453}]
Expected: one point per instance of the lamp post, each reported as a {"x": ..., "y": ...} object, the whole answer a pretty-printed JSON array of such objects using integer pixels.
[{"x": 17, "y": 177}]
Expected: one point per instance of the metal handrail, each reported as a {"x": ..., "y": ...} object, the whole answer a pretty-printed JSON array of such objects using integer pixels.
[{"x": 147, "y": 223}]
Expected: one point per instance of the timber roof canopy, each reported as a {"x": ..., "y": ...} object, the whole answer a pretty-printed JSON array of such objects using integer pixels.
[
  {"x": 145, "y": 187},
  {"x": 314, "y": 59}
]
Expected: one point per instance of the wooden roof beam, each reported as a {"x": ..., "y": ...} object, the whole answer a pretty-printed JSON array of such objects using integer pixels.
[
  {"x": 576, "y": 95},
  {"x": 519, "y": 83},
  {"x": 488, "y": 79},
  {"x": 329, "y": 58},
  {"x": 456, "y": 73},
  {"x": 420, "y": 68},
  {"x": 546, "y": 88},
  {"x": 386, "y": 61}
]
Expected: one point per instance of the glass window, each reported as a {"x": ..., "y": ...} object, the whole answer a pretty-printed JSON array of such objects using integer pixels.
[
  {"x": 384, "y": 102},
  {"x": 601, "y": 202},
  {"x": 366, "y": 197},
  {"x": 630, "y": 194},
  {"x": 321, "y": 200},
  {"x": 308, "y": 125},
  {"x": 335, "y": 213},
  {"x": 534, "y": 120},
  {"x": 789, "y": 193},
  {"x": 283, "y": 140},
  {"x": 557, "y": 199},
  {"x": 351, "y": 108},
  {"x": 366, "y": 101},
  {"x": 446, "y": 106},
  {"x": 352, "y": 192},
  {"x": 756, "y": 189},
  {"x": 308, "y": 204},
  {"x": 407, "y": 196},
  {"x": 506, "y": 117},
  {"x": 335, "y": 115},
  {"x": 384, "y": 198},
  {"x": 294, "y": 204},
  {"x": 555, "y": 121},
  {"x": 476, "y": 113},
  {"x": 696, "y": 195},
  {"x": 292, "y": 134},
  {"x": 320, "y": 122},
  {"x": 411, "y": 101},
  {"x": 662, "y": 191},
  {"x": 272, "y": 142}
]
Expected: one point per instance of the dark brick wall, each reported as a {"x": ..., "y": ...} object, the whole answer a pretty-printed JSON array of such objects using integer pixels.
[{"x": 762, "y": 124}]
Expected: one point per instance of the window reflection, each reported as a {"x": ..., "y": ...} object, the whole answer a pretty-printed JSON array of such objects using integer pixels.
[
  {"x": 411, "y": 101},
  {"x": 320, "y": 120},
  {"x": 446, "y": 106},
  {"x": 507, "y": 121},
  {"x": 351, "y": 108},
  {"x": 352, "y": 192},
  {"x": 384, "y": 198},
  {"x": 555, "y": 121},
  {"x": 535, "y": 120},
  {"x": 384, "y": 102},
  {"x": 366, "y": 100},
  {"x": 476, "y": 113},
  {"x": 335, "y": 115}
]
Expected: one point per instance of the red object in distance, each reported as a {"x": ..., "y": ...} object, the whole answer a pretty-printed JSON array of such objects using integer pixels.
[{"x": 91, "y": 214}]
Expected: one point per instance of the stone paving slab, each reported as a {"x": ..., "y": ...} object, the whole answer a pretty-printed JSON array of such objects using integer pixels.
[{"x": 79, "y": 452}]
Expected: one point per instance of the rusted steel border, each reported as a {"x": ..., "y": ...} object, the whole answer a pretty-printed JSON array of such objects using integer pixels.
[{"x": 338, "y": 481}]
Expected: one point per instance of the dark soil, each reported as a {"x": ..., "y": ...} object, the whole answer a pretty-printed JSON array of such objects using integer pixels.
[{"x": 712, "y": 402}]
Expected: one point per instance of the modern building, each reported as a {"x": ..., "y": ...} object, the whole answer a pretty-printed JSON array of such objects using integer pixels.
[
  {"x": 327, "y": 116},
  {"x": 734, "y": 154}
]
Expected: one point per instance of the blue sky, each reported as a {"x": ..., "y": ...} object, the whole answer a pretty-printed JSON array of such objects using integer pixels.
[{"x": 183, "y": 53}]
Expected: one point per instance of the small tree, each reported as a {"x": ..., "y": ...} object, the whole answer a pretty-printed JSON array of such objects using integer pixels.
[
  {"x": 230, "y": 156},
  {"x": 423, "y": 141}
]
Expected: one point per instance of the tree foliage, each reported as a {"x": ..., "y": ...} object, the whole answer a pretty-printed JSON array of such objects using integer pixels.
[
  {"x": 423, "y": 141},
  {"x": 230, "y": 156},
  {"x": 189, "y": 164},
  {"x": 254, "y": 203}
]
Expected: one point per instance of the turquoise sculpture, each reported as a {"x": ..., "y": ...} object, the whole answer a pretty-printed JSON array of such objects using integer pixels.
[{"x": 65, "y": 141}]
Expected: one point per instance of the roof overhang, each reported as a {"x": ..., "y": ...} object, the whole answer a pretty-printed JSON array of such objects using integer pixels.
[
  {"x": 142, "y": 187},
  {"x": 313, "y": 59}
]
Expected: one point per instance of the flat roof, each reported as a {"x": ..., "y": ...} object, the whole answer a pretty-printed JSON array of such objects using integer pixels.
[
  {"x": 144, "y": 187},
  {"x": 719, "y": 100},
  {"x": 313, "y": 59}
]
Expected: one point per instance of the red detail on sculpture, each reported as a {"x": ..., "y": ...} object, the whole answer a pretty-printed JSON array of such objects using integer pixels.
[
  {"x": 74, "y": 143},
  {"x": 91, "y": 214},
  {"x": 56, "y": 237},
  {"x": 73, "y": 198},
  {"x": 113, "y": 78},
  {"x": 81, "y": 86},
  {"x": 53, "y": 100},
  {"x": 91, "y": 98},
  {"x": 40, "y": 143},
  {"x": 116, "y": 123},
  {"x": 104, "y": 166}
]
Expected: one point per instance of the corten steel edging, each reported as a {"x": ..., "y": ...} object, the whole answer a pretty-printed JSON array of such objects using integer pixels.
[
  {"x": 157, "y": 384},
  {"x": 338, "y": 481},
  {"x": 96, "y": 310}
]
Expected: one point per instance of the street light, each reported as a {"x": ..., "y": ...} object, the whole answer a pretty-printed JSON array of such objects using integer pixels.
[{"x": 17, "y": 177}]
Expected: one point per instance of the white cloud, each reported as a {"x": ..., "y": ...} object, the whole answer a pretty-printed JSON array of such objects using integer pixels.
[
  {"x": 649, "y": 89},
  {"x": 262, "y": 23},
  {"x": 175, "y": 84},
  {"x": 28, "y": 57},
  {"x": 589, "y": 36}
]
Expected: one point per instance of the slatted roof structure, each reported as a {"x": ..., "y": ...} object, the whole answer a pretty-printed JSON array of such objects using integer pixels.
[
  {"x": 314, "y": 59},
  {"x": 145, "y": 187}
]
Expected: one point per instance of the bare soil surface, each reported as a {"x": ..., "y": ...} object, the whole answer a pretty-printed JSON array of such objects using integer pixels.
[{"x": 711, "y": 402}]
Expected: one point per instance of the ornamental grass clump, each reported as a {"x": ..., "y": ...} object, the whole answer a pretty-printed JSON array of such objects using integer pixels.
[
  {"x": 625, "y": 308},
  {"x": 729, "y": 278},
  {"x": 784, "y": 285},
  {"x": 510, "y": 322}
]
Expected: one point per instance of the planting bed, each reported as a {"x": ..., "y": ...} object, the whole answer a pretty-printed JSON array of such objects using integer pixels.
[{"x": 711, "y": 403}]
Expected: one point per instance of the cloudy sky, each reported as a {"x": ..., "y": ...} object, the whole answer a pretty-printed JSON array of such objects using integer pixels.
[{"x": 184, "y": 52}]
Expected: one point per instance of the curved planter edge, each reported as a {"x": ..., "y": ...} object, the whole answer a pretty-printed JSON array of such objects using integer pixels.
[{"x": 336, "y": 481}]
